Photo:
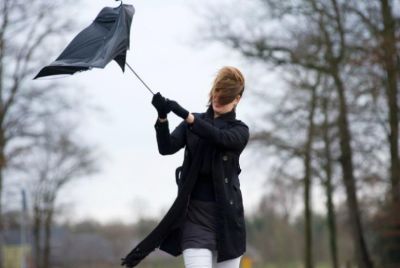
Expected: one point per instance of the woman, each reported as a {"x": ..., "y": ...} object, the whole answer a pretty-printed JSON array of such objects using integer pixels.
[{"x": 206, "y": 222}]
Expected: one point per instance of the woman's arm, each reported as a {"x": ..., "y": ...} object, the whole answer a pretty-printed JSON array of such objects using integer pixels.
[
  {"x": 170, "y": 143},
  {"x": 234, "y": 138},
  {"x": 167, "y": 143}
]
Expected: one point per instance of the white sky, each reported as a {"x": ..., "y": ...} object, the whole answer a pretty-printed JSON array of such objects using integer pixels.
[{"x": 135, "y": 180}]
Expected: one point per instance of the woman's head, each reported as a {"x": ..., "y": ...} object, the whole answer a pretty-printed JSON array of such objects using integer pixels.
[{"x": 227, "y": 90}]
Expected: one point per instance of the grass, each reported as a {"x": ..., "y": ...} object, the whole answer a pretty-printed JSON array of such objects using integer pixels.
[
  {"x": 289, "y": 265},
  {"x": 178, "y": 263}
]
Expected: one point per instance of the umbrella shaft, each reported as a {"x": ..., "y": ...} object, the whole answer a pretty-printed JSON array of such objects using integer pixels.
[{"x": 139, "y": 78}]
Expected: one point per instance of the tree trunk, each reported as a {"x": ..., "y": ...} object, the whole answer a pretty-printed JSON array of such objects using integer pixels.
[
  {"x": 388, "y": 44},
  {"x": 2, "y": 166},
  {"x": 36, "y": 237},
  {"x": 1, "y": 220},
  {"x": 47, "y": 237},
  {"x": 309, "y": 262},
  {"x": 2, "y": 46},
  {"x": 346, "y": 160},
  {"x": 334, "y": 60},
  {"x": 329, "y": 189}
]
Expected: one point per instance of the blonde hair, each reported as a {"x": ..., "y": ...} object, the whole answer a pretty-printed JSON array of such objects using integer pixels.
[{"x": 229, "y": 83}]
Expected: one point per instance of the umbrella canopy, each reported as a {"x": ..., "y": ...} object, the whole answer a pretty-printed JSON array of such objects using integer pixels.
[{"x": 106, "y": 39}]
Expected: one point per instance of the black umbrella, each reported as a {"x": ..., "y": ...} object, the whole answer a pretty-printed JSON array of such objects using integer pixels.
[{"x": 106, "y": 39}]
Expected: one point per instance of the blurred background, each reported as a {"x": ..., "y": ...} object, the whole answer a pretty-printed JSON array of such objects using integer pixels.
[{"x": 82, "y": 182}]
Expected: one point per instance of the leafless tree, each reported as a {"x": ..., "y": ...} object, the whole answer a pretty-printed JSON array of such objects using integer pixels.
[
  {"x": 377, "y": 45},
  {"x": 57, "y": 159},
  {"x": 26, "y": 29},
  {"x": 312, "y": 35}
]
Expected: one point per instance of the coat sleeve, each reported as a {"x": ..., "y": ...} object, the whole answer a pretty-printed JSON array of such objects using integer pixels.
[
  {"x": 234, "y": 138},
  {"x": 170, "y": 143}
]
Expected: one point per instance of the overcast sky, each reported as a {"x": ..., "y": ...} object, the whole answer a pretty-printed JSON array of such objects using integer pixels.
[{"x": 135, "y": 180}]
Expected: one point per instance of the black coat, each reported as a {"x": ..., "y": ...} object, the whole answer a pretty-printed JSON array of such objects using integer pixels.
[{"x": 229, "y": 137}]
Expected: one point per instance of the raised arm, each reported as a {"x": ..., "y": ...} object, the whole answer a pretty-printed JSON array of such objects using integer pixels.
[
  {"x": 234, "y": 138},
  {"x": 170, "y": 143}
]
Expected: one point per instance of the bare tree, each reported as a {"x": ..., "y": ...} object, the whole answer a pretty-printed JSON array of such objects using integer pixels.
[
  {"x": 390, "y": 65},
  {"x": 303, "y": 100},
  {"x": 57, "y": 159},
  {"x": 308, "y": 153},
  {"x": 316, "y": 41},
  {"x": 378, "y": 45},
  {"x": 25, "y": 28},
  {"x": 327, "y": 167}
]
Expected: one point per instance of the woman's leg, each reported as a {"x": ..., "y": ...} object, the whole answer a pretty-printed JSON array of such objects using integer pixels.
[
  {"x": 197, "y": 258},
  {"x": 233, "y": 263}
]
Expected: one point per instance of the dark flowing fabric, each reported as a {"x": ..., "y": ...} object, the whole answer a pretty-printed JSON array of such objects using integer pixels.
[
  {"x": 106, "y": 39},
  {"x": 169, "y": 223}
]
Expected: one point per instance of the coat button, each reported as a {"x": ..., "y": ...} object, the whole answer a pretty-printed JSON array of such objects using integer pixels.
[
  {"x": 226, "y": 180},
  {"x": 225, "y": 158},
  {"x": 231, "y": 202}
]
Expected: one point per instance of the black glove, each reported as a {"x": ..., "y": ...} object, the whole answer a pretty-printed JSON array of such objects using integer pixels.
[
  {"x": 160, "y": 103},
  {"x": 177, "y": 109}
]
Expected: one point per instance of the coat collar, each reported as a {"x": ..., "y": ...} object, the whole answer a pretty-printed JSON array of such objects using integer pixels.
[{"x": 229, "y": 116}]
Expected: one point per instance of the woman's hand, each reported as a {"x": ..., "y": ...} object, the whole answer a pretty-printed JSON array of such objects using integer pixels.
[
  {"x": 190, "y": 119},
  {"x": 177, "y": 109},
  {"x": 160, "y": 103}
]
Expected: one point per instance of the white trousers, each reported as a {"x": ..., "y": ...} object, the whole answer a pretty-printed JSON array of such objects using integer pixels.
[{"x": 205, "y": 258}]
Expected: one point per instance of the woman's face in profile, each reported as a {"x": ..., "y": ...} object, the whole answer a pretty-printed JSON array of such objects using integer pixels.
[{"x": 223, "y": 108}]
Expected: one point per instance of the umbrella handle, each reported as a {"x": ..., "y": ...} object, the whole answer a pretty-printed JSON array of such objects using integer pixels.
[{"x": 139, "y": 78}]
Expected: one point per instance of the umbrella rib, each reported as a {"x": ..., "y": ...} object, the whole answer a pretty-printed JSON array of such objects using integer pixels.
[{"x": 139, "y": 78}]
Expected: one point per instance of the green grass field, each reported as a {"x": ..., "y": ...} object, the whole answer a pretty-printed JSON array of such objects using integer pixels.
[
  {"x": 289, "y": 265},
  {"x": 178, "y": 263}
]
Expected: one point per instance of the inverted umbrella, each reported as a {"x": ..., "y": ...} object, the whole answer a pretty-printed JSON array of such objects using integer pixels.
[{"x": 104, "y": 40}]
